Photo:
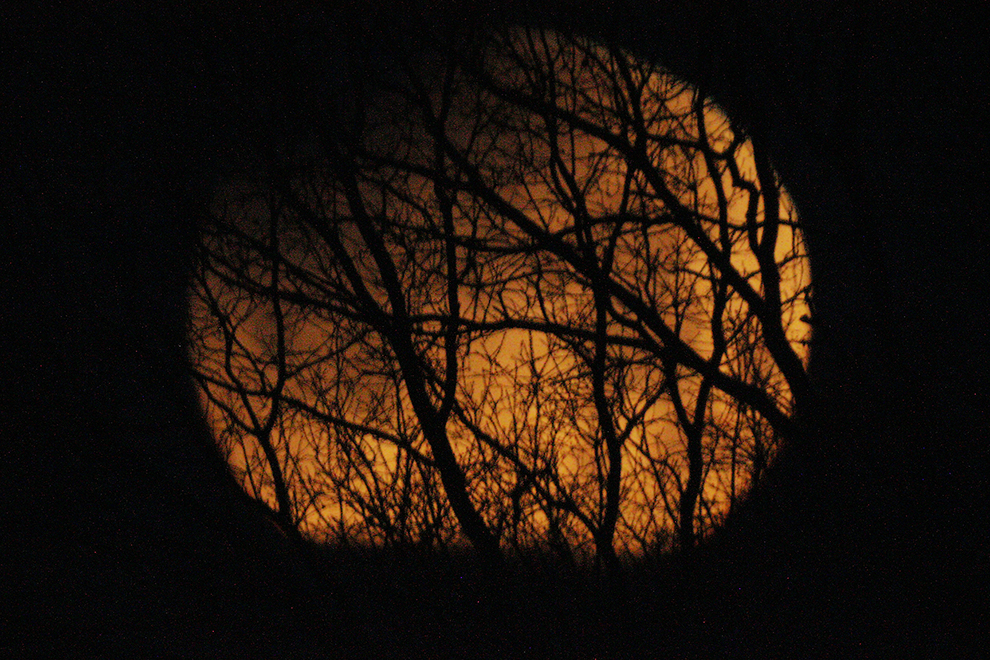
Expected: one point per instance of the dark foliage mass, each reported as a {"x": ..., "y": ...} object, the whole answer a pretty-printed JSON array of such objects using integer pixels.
[{"x": 122, "y": 530}]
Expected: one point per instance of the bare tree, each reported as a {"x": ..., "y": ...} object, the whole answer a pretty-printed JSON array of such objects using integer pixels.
[{"x": 549, "y": 278}]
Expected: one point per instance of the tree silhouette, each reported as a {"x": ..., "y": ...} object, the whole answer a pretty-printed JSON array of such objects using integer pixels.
[
  {"x": 529, "y": 292},
  {"x": 122, "y": 534}
]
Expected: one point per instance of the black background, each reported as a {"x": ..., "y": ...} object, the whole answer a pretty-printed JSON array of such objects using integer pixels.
[{"x": 121, "y": 530}]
